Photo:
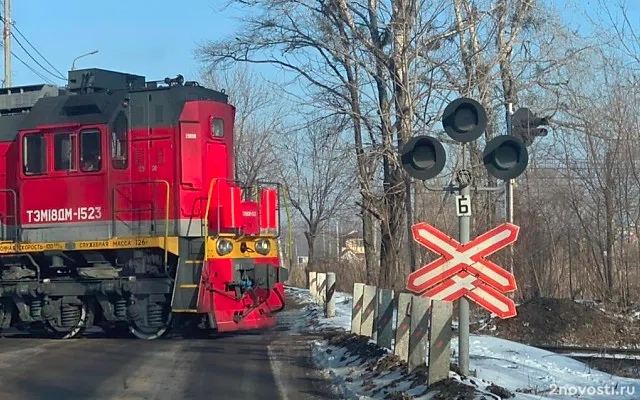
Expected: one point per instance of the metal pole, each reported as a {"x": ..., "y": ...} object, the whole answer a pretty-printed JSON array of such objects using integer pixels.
[
  {"x": 464, "y": 225},
  {"x": 509, "y": 189},
  {"x": 7, "y": 43}
]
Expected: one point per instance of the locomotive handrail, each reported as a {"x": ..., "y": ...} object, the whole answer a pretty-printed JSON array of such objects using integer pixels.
[
  {"x": 166, "y": 221},
  {"x": 206, "y": 212},
  {"x": 286, "y": 203},
  {"x": 206, "y": 218},
  {"x": 257, "y": 185}
]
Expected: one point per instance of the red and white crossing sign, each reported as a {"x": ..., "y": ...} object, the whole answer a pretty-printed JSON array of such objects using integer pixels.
[
  {"x": 465, "y": 284},
  {"x": 463, "y": 270}
]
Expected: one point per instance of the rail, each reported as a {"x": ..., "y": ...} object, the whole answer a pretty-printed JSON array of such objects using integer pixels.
[
  {"x": 152, "y": 209},
  {"x": 590, "y": 351}
]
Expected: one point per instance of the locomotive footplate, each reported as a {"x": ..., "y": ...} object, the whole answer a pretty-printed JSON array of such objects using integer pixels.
[{"x": 65, "y": 287}]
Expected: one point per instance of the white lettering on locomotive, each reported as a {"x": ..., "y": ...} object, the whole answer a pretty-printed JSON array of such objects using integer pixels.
[{"x": 64, "y": 214}]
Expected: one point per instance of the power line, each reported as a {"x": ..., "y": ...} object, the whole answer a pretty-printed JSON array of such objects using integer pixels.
[
  {"x": 36, "y": 50},
  {"x": 59, "y": 76},
  {"x": 44, "y": 78},
  {"x": 36, "y": 61}
]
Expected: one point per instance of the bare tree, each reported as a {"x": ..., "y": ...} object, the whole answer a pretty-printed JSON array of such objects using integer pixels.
[
  {"x": 389, "y": 67},
  {"x": 362, "y": 59},
  {"x": 317, "y": 176}
]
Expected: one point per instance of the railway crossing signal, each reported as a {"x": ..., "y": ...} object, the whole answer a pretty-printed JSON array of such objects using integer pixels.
[
  {"x": 464, "y": 120},
  {"x": 463, "y": 272},
  {"x": 462, "y": 269}
]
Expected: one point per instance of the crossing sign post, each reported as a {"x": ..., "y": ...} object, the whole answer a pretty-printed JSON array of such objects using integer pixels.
[{"x": 462, "y": 270}]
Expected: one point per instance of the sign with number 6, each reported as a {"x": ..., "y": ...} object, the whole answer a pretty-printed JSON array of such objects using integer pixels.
[{"x": 463, "y": 206}]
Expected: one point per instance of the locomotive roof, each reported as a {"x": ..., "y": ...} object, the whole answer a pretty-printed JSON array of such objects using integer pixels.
[
  {"x": 9, "y": 125},
  {"x": 150, "y": 105}
]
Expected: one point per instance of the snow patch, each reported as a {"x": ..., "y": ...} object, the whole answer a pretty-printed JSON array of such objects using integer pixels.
[{"x": 527, "y": 372}]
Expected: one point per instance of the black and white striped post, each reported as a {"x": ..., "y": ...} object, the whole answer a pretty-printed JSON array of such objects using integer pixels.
[{"x": 330, "y": 301}]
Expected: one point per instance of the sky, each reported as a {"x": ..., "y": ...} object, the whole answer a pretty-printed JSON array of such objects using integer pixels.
[{"x": 151, "y": 38}]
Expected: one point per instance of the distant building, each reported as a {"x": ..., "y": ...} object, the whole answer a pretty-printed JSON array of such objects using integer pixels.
[{"x": 352, "y": 246}]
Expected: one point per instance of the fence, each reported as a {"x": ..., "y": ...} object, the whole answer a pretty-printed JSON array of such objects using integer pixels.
[
  {"x": 322, "y": 286},
  {"x": 422, "y": 332}
]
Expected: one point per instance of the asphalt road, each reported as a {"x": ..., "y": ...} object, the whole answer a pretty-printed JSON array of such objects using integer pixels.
[{"x": 269, "y": 365}]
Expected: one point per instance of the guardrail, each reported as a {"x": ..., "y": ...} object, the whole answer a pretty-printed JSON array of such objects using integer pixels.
[{"x": 422, "y": 332}]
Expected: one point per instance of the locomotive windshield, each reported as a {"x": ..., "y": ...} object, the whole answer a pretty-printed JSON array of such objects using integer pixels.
[
  {"x": 64, "y": 152},
  {"x": 34, "y": 154},
  {"x": 90, "y": 154}
]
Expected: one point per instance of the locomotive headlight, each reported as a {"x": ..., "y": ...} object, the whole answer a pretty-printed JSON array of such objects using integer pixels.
[
  {"x": 224, "y": 247},
  {"x": 263, "y": 246}
]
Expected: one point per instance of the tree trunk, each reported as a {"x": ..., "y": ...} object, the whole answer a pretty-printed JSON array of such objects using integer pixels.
[
  {"x": 391, "y": 229},
  {"x": 610, "y": 240},
  {"x": 411, "y": 243},
  {"x": 369, "y": 237},
  {"x": 311, "y": 238}
]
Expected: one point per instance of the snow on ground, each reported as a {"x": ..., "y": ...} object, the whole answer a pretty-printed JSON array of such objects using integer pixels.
[{"x": 527, "y": 372}]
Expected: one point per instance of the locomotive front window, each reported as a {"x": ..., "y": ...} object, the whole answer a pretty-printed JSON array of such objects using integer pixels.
[
  {"x": 217, "y": 127},
  {"x": 34, "y": 156},
  {"x": 90, "y": 151},
  {"x": 64, "y": 148}
]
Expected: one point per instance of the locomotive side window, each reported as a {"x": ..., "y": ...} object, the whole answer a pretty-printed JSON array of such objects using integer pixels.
[
  {"x": 217, "y": 127},
  {"x": 34, "y": 154},
  {"x": 90, "y": 151},
  {"x": 119, "y": 142},
  {"x": 64, "y": 149}
]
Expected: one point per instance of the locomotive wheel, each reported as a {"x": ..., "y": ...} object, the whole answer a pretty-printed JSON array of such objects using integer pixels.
[
  {"x": 157, "y": 324},
  {"x": 76, "y": 322}
]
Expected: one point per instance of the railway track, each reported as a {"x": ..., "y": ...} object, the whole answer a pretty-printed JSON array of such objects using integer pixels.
[{"x": 593, "y": 352}]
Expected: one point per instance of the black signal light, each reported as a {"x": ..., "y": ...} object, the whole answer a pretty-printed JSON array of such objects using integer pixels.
[
  {"x": 464, "y": 120},
  {"x": 423, "y": 157},
  {"x": 505, "y": 157}
]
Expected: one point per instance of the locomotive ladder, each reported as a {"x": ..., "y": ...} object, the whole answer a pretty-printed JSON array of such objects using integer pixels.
[
  {"x": 188, "y": 275},
  {"x": 193, "y": 253}
]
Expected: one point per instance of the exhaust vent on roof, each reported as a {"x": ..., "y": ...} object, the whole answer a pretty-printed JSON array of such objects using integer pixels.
[{"x": 82, "y": 105}]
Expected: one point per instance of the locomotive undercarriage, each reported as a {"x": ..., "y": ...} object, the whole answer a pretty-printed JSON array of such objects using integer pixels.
[{"x": 61, "y": 294}]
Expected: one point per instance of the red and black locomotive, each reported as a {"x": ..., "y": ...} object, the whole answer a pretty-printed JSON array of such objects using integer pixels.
[{"x": 119, "y": 209}]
